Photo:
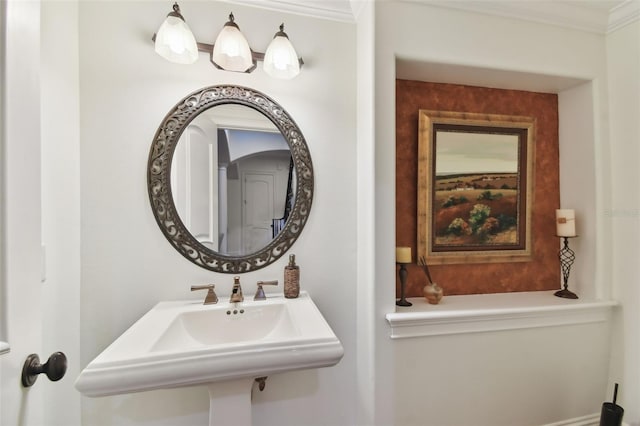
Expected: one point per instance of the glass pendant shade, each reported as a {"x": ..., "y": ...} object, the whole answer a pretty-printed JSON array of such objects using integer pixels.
[
  {"x": 175, "y": 41},
  {"x": 231, "y": 51},
  {"x": 281, "y": 59}
]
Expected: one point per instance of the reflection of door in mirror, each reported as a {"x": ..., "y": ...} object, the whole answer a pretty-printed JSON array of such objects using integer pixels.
[
  {"x": 232, "y": 179},
  {"x": 194, "y": 182},
  {"x": 258, "y": 210},
  {"x": 257, "y": 189}
]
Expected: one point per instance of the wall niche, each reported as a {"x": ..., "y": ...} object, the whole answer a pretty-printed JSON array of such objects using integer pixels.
[{"x": 542, "y": 272}]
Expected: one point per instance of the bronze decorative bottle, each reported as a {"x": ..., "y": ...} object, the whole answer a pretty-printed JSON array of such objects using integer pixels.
[{"x": 291, "y": 278}]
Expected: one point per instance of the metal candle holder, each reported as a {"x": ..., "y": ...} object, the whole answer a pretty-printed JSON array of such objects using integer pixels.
[
  {"x": 403, "y": 282},
  {"x": 566, "y": 256}
]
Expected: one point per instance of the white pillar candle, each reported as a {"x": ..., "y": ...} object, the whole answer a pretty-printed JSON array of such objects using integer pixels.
[
  {"x": 565, "y": 223},
  {"x": 403, "y": 254}
]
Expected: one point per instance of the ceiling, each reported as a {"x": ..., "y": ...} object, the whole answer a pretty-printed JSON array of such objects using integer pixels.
[{"x": 598, "y": 16}]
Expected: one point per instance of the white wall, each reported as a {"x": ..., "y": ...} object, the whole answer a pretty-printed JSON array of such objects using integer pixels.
[
  {"x": 529, "y": 377},
  {"x": 128, "y": 266},
  {"x": 576, "y": 107},
  {"x": 453, "y": 380},
  {"x": 623, "y": 59},
  {"x": 374, "y": 378}
]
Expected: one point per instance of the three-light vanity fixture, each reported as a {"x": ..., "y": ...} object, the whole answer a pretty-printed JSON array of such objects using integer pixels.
[{"x": 175, "y": 42}]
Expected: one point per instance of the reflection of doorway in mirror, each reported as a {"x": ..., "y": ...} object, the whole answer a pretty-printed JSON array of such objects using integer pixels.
[
  {"x": 250, "y": 214},
  {"x": 255, "y": 198},
  {"x": 258, "y": 211}
]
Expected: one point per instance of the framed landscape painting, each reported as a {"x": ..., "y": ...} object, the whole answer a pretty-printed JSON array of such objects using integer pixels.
[{"x": 475, "y": 180}]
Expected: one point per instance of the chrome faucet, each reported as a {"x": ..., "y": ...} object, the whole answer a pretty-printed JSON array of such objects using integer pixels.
[{"x": 236, "y": 293}]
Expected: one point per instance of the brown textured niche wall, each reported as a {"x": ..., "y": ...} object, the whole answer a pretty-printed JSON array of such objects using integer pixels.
[{"x": 543, "y": 272}]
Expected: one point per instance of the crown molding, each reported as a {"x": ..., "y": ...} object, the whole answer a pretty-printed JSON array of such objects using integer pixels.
[
  {"x": 595, "y": 16},
  {"x": 566, "y": 14},
  {"x": 623, "y": 14},
  {"x": 357, "y": 6},
  {"x": 334, "y": 10}
]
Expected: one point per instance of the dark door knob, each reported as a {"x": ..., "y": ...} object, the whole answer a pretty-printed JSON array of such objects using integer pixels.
[{"x": 54, "y": 368}]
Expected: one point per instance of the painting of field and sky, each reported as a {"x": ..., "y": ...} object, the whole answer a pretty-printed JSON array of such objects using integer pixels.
[
  {"x": 475, "y": 189},
  {"x": 475, "y": 180}
]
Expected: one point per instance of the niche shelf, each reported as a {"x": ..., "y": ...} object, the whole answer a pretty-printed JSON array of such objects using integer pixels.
[{"x": 494, "y": 312}]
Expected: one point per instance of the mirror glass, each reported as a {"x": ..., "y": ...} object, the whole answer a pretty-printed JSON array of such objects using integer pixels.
[
  {"x": 230, "y": 179},
  {"x": 233, "y": 179}
]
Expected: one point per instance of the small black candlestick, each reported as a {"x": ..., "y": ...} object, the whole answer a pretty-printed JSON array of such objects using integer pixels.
[
  {"x": 566, "y": 256},
  {"x": 403, "y": 281}
]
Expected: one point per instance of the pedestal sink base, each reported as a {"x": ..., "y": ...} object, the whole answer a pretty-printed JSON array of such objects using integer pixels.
[{"x": 230, "y": 403}]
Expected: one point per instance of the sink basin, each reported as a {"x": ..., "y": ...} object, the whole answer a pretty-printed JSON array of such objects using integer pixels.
[
  {"x": 226, "y": 325},
  {"x": 186, "y": 343}
]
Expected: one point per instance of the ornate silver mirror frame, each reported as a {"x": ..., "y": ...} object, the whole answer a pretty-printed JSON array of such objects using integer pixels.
[{"x": 159, "y": 179}]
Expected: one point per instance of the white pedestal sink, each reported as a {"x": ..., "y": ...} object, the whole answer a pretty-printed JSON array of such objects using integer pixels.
[
  {"x": 225, "y": 346},
  {"x": 230, "y": 403}
]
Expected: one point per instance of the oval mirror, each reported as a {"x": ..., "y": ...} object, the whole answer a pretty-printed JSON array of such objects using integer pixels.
[{"x": 230, "y": 179}]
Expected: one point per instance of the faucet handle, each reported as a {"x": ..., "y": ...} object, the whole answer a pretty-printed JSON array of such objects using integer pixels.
[
  {"x": 260, "y": 291},
  {"x": 211, "y": 297}
]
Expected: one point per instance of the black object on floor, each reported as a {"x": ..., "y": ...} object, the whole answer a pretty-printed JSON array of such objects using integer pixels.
[{"x": 611, "y": 412}]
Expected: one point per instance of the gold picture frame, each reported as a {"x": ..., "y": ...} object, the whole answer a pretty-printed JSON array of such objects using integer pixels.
[{"x": 475, "y": 187}]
